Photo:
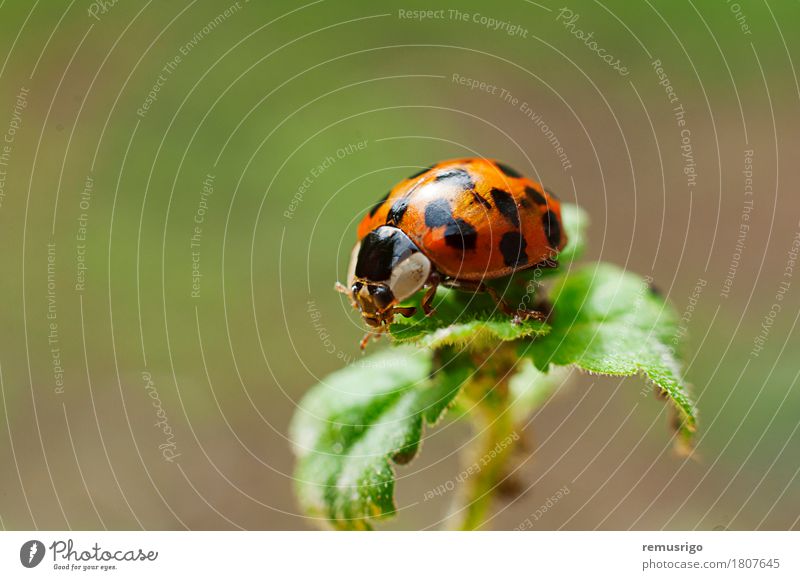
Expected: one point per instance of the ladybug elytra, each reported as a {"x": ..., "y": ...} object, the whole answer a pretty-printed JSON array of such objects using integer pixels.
[{"x": 458, "y": 224}]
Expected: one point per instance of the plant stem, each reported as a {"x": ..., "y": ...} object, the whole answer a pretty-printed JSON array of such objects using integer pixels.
[{"x": 486, "y": 456}]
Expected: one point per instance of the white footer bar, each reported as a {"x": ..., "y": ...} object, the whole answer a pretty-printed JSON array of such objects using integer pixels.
[{"x": 400, "y": 555}]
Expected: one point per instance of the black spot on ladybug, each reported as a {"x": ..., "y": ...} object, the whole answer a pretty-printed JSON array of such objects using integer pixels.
[
  {"x": 550, "y": 193},
  {"x": 508, "y": 170},
  {"x": 460, "y": 235},
  {"x": 552, "y": 229},
  {"x": 418, "y": 173},
  {"x": 507, "y": 206},
  {"x": 378, "y": 205},
  {"x": 398, "y": 210},
  {"x": 536, "y": 196},
  {"x": 524, "y": 202},
  {"x": 459, "y": 177},
  {"x": 512, "y": 246},
  {"x": 438, "y": 213}
]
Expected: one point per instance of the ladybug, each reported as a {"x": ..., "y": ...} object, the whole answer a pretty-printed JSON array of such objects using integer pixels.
[{"x": 458, "y": 223}]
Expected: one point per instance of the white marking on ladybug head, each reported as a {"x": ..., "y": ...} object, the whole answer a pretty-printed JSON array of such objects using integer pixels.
[
  {"x": 351, "y": 268},
  {"x": 409, "y": 275}
]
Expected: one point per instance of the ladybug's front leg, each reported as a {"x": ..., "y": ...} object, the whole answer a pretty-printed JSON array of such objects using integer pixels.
[
  {"x": 427, "y": 300},
  {"x": 342, "y": 289},
  {"x": 365, "y": 340}
]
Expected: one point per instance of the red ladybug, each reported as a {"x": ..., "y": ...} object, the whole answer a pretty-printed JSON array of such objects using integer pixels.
[{"x": 457, "y": 223}]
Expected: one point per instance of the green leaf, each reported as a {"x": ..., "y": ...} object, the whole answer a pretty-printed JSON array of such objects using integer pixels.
[
  {"x": 529, "y": 388},
  {"x": 608, "y": 321},
  {"x": 575, "y": 221},
  {"x": 463, "y": 319},
  {"x": 350, "y": 429}
]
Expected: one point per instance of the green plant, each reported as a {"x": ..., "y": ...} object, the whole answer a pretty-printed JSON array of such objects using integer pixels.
[{"x": 351, "y": 428}]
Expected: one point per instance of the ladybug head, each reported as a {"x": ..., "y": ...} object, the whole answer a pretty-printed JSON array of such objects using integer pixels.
[
  {"x": 386, "y": 267},
  {"x": 374, "y": 301}
]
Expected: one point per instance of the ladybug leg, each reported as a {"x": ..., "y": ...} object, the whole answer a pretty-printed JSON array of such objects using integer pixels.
[
  {"x": 376, "y": 334},
  {"x": 365, "y": 341},
  {"x": 517, "y": 314},
  {"x": 407, "y": 311},
  {"x": 427, "y": 300},
  {"x": 544, "y": 307},
  {"x": 528, "y": 313},
  {"x": 342, "y": 289},
  {"x": 501, "y": 303}
]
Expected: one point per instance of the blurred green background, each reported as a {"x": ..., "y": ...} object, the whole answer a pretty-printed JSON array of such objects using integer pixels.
[{"x": 182, "y": 185}]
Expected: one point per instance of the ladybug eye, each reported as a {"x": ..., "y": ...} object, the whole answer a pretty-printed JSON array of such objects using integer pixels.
[{"x": 381, "y": 296}]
